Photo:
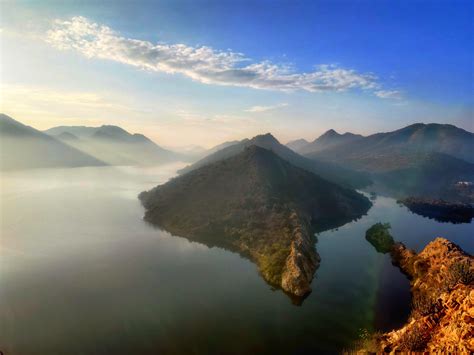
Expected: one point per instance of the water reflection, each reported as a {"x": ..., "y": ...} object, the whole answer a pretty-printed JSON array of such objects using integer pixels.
[{"x": 80, "y": 273}]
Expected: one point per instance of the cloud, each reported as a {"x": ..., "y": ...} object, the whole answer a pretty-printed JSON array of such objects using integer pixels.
[
  {"x": 265, "y": 108},
  {"x": 203, "y": 64},
  {"x": 388, "y": 94}
]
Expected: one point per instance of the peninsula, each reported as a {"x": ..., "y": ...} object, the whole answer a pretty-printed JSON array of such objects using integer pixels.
[{"x": 259, "y": 205}]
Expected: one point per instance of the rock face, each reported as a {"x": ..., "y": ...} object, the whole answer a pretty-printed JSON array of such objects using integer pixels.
[
  {"x": 442, "y": 318},
  {"x": 258, "y": 205},
  {"x": 300, "y": 264}
]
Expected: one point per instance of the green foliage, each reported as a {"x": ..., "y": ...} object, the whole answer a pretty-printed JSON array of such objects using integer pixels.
[
  {"x": 379, "y": 236},
  {"x": 273, "y": 261}
]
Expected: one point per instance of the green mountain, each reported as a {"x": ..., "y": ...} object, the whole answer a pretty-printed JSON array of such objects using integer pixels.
[
  {"x": 326, "y": 170},
  {"x": 259, "y": 205},
  {"x": 418, "y": 160},
  {"x": 23, "y": 147},
  {"x": 116, "y": 146},
  {"x": 432, "y": 175}
]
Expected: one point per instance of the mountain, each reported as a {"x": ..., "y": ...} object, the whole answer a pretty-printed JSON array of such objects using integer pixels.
[
  {"x": 116, "y": 146},
  {"x": 23, "y": 147},
  {"x": 416, "y": 138},
  {"x": 221, "y": 146},
  {"x": 432, "y": 175},
  {"x": 297, "y": 145},
  {"x": 423, "y": 160},
  {"x": 194, "y": 152},
  {"x": 78, "y": 131},
  {"x": 326, "y": 170},
  {"x": 66, "y": 136},
  {"x": 259, "y": 205},
  {"x": 329, "y": 139}
]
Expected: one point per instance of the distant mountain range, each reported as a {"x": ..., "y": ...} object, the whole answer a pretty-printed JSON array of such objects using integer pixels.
[
  {"x": 114, "y": 145},
  {"x": 416, "y": 138},
  {"x": 23, "y": 147},
  {"x": 329, "y": 139},
  {"x": 258, "y": 204},
  {"x": 297, "y": 145},
  {"x": 326, "y": 170},
  {"x": 420, "y": 159}
]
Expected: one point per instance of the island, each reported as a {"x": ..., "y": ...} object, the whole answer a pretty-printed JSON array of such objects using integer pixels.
[
  {"x": 379, "y": 236},
  {"x": 259, "y": 205},
  {"x": 440, "y": 210}
]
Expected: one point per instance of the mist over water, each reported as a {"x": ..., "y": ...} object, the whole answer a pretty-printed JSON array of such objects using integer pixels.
[{"x": 82, "y": 273}]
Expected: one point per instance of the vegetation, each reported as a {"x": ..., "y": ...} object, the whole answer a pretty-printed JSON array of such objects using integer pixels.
[
  {"x": 440, "y": 210},
  {"x": 423, "y": 303},
  {"x": 327, "y": 170},
  {"x": 415, "y": 339},
  {"x": 422, "y": 160},
  {"x": 272, "y": 262},
  {"x": 441, "y": 279},
  {"x": 379, "y": 236},
  {"x": 459, "y": 272},
  {"x": 254, "y": 203}
]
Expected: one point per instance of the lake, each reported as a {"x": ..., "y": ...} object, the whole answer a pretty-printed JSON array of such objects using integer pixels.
[{"x": 82, "y": 273}]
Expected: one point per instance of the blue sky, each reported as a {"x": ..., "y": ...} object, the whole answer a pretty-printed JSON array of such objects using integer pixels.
[{"x": 295, "y": 69}]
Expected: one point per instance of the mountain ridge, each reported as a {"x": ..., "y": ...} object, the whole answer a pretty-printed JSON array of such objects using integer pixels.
[
  {"x": 23, "y": 147},
  {"x": 116, "y": 146},
  {"x": 328, "y": 171}
]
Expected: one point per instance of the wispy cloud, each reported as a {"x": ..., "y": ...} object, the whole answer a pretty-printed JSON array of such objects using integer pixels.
[
  {"x": 388, "y": 94},
  {"x": 203, "y": 64},
  {"x": 255, "y": 109}
]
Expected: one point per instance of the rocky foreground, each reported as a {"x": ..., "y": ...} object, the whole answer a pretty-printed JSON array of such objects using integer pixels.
[
  {"x": 442, "y": 286},
  {"x": 259, "y": 205}
]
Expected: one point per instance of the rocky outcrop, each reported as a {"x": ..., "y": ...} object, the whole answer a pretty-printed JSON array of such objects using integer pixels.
[
  {"x": 301, "y": 262},
  {"x": 442, "y": 286}
]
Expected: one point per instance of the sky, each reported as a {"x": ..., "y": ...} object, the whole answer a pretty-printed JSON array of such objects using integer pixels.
[{"x": 203, "y": 72}]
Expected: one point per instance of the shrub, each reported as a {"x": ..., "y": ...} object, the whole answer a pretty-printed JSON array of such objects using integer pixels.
[
  {"x": 459, "y": 272},
  {"x": 415, "y": 339},
  {"x": 423, "y": 303},
  {"x": 379, "y": 236}
]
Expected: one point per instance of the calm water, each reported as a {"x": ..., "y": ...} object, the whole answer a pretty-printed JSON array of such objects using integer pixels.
[{"x": 81, "y": 273}]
